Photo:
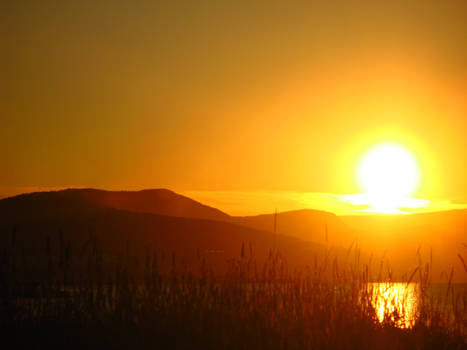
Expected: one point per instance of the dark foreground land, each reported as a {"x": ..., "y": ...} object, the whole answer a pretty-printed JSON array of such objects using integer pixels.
[{"x": 169, "y": 305}]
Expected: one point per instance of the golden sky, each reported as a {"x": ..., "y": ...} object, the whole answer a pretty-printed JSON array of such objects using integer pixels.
[{"x": 230, "y": 96}]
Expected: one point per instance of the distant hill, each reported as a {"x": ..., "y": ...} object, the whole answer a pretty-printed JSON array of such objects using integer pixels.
[
  {"x": 160, "y": 219},
  {"x": 172, "y": 222},
  {"x": 307, "y": 224},
  {"x": 157, "y": 201},
  {"x": 441, "y": 237},
  {"x": 116, "y": 232},
  {"x": 310, "y": 225}
]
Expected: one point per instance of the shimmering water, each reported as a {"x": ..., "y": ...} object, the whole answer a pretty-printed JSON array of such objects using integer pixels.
[{"x": 398, "y": 302}]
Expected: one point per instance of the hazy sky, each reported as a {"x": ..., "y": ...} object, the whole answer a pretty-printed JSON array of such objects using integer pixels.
[{"x": 230, "y": 95}]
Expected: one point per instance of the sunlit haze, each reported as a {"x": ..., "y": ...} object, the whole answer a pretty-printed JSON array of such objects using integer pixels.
[{"x": 236, "y": 97}]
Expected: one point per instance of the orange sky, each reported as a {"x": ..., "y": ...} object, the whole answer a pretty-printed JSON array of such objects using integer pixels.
[{"x": 221, "y": 97}]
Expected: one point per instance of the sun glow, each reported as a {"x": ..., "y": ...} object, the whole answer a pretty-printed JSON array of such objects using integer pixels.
[{"x": 389, "y": 175}]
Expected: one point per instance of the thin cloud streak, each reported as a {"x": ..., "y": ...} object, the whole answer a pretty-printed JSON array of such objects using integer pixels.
[{"x": 260, "y": 202}]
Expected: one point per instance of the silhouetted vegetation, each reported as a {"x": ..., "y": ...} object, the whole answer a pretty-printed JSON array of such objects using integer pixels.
[{"x": 84, "y": 299}]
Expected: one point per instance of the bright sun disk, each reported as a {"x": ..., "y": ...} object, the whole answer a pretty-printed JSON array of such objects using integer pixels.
[{"x": 389, "y": 174}]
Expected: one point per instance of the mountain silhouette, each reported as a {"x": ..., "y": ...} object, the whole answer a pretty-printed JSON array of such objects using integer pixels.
[
  {"x": 310, "y": 225},
  {"x": 155, "y": 201},
  {"x": 75, "y": 217},
  {"x": 307, "y": 224},
  {"x": 173, "y": 223}
]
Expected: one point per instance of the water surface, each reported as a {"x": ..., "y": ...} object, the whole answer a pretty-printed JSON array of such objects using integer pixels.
[{"x": 398, "y": 302}]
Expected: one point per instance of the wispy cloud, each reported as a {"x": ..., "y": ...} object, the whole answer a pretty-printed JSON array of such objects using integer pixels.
[{"x": 260, "y": 202}]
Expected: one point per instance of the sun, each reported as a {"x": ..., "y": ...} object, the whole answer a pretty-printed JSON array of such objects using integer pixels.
[{"x": 389, "y": 175}]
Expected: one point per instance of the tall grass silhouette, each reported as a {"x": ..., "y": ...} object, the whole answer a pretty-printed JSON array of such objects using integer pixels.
[{"x": 83, "y": 298}]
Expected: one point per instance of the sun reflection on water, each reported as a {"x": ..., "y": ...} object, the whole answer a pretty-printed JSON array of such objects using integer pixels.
[{"x": 397, "y": 302}]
